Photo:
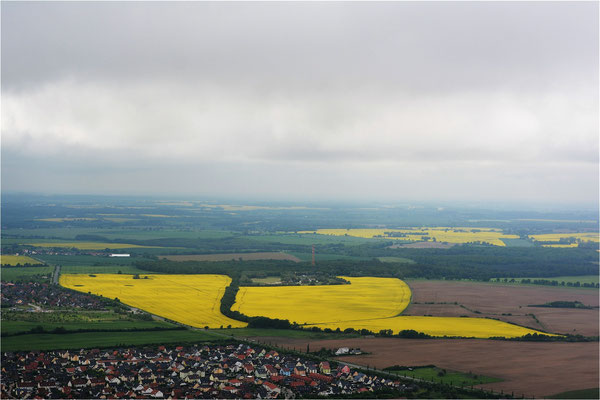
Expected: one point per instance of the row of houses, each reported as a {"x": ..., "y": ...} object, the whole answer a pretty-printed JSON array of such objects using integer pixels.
[
  {"x": 233, "y": 371},
  {"x": 46, "y": 296}
]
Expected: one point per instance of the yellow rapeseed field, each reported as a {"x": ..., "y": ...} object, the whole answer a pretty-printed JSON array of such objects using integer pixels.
[
  {"x": 364, "y": 298},
  {"x": 367, "y": 303},
  {"x": 556, "y": 237},
  {"x": 440, "y": 234},
  {"x": 14, "y": 260},
  {"x": 561, "y": 245},
  {"x": 89, "y": 245},
  {"x": 482, "y": 328},
  {"x": 190, "y": 299}
]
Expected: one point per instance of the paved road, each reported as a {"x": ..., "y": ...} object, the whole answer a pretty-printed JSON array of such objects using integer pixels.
[{"x": 56, "y": 275}]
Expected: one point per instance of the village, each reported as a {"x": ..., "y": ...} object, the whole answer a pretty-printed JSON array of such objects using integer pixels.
[
  {"x": 198, "y": 371},
  {"x": 36, "y": 295}
]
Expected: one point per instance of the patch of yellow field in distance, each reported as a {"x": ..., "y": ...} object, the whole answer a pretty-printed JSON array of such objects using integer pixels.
[
  {"x": 193, "y": 300},
  {"x": 481, "y": 328},
  {"x": 14, "y": 260},
  {"x": 561, "y": 245},
  {"x": 457, "y": 235},
  {"x": 89, "y": 245},
  {"x": 364, "y": 298},
  {"x": 555, "y": 237}
]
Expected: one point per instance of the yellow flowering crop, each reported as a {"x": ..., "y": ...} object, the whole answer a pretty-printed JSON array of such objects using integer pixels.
[
  {"x": 555, "y": 237},
  {"x": 14, "y": 260},
  {"x": 441, "y": 234},
  {"x": 364, "y": 298},
  {"x": 559, "y": 245},
  {"x": 482, "y": 328},
  {"x": 190, "y": 299},
  {"x": 367, "y": 303}
]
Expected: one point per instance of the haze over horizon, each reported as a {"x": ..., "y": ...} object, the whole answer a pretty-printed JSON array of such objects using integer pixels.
[{"x": 327, "y": 101}]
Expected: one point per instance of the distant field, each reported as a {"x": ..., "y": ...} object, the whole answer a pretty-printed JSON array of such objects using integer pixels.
[
  {"x": 561, "y": 245},
  {"x": 517, "y": 242},
  {"x": 77, "y": 260},
  {"x": 26, "y": 274},
  {"x": 308, "y": 239},
  {"x": 66, "y": 219},
  {"x": 232, "y": 256},
  {"x": 14, "y": 260},
  {"x": 422, "y": 245},
  {"x": 101, "y": 269},
  {"x": 268, "y": 280},
  {"x": 324, "y": 257},
  {"x": 105, "y": 339},
  {"x": 436, "y": 234},
  {"x": 555, "y": 237},
  {"x": 112, "y": 234},
  {"x": 396, "y": 260},
  {"x": 90, "y": 245}
]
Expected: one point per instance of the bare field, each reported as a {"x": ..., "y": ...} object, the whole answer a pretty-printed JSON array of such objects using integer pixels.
[
  {"x": 232, "y": 256},
  {"x": 529, "y": 368},
  {"x": 476, "y": 299}
]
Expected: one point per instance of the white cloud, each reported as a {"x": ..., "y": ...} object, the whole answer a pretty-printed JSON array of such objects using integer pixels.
[{"x": 221, "y": 123}]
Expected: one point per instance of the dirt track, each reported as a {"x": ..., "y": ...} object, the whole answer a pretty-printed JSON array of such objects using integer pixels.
[
  {"x": 530, "y": 368},
  {"x": 492, "y": 300}
]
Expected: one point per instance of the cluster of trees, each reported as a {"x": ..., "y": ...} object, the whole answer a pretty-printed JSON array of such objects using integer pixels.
[{"x": 556, "y": 283}]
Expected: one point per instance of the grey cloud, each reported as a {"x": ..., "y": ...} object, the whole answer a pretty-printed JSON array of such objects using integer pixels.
[
  {"x": 408, "y": 46},
  {"x": 334, "y": 99}
]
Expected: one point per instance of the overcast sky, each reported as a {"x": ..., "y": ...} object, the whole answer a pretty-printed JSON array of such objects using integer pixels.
[{"x": 365, "y": 101}]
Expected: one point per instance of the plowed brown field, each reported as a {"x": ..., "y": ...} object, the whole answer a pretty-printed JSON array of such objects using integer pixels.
[
  {"x": 529, "y": 368},
  {"x": 475, "y": 299}
]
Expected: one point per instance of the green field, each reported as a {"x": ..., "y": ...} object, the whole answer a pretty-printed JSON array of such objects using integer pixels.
[
  {"x": 311, "y": 239},
  {"x": 26, "y": 274},
  {"x": 48, "y": 341},
  {"x": 11, "y": 327},
  {"x": 396, "y": 260},
  {"x": 269, "y": 280},
  {"x": 76, "y": 260},
  {"x": 517, "y": 243},
  {"x": 101, "y": 269},
  {"x": 578, "y": 394},
  {"x": 324, "y": 257},
  {"x": 450, "y": 377},
  {"x": 289, "y": 333},
  {"x": 13, "y": 260},
  {"x": 8, "y": 235}
]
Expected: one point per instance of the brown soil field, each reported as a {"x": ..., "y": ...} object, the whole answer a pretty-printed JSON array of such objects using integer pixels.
[
  {"x": 475, "y": 299},
  {"x": 232, "y": 256},
  {"x": 531, "y": 368}
]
